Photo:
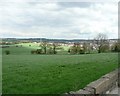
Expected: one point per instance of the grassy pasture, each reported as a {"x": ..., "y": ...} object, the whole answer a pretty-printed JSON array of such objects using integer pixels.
[
  {"x": 26, "y": 73},
  {"x": 26, "y": 49}
]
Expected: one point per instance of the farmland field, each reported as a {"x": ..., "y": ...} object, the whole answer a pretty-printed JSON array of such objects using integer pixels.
[{"x": 26, "y": 73}]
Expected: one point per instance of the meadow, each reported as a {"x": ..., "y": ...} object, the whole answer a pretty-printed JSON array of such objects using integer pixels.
[{"x": 47, "y": 74}]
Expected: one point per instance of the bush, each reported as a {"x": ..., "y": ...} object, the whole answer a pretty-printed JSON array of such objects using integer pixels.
[
  {"x": 33, "y": 52},
  {"x": 51, "y": 51},
  {"x": 39, "y": 51},
  {"x": 76, "y": 50},
  {"x": 104, "y": 48},
  {"x": 7, "y": 52},
  {"x": 73, "y": 50},
  {"x": 82, "y": 51},
  {"x": 55, "y": 52},
  {"x": 68, "y": 50},
  {"x": 115, "y": 47}
]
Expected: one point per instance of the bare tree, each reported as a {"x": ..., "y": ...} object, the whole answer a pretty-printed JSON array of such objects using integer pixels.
[
  {"x": 44, "y": 46},
  {"x": 54, "y": 48},
  {"x": 100, "y": 40}
]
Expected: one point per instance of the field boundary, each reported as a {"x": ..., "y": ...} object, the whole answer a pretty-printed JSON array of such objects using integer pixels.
[{"x": 103, "y": 85}]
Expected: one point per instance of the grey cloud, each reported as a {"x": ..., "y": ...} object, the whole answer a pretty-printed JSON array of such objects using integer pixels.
[
  {"x": 60, "y": 20},
  {"x": 75, "y": 4}
]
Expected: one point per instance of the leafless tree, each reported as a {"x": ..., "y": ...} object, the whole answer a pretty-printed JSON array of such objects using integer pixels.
[
  {"x": 100, "y": 40},
  {"x": 44, "y": 46},
  {"x": 54, "y": 48}
]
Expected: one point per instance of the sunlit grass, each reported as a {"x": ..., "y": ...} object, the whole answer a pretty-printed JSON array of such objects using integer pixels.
[{"x": 53, "y": 73}]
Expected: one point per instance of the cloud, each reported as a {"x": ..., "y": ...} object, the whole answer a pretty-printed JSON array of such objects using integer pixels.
[{"x": 58, "y": 20}]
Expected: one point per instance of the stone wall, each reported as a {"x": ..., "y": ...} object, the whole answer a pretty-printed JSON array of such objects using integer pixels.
[{"x": 101, "y": 86}]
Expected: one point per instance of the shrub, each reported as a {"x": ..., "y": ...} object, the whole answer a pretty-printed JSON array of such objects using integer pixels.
[
  {"x": 68, "y": 50},
  {"x": 82, "y": 51},
  {"x": 76, "y": 50},
  {"x": 51, "y": 51},
  {"x": 39, "y": 51},
  {"x": 55, "y": 52},
  {"x": 33, "y": 52},
  {"x": 7, "y": 52},
  {"x": 115, "y": 47},
  {"x": 104, "y": 48},
  {"x": 73, "y": 50}
]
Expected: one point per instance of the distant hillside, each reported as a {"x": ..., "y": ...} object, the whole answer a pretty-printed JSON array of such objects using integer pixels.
[
  {"x": 46, "y": 40},
  {"x": 42, "y": 40}
]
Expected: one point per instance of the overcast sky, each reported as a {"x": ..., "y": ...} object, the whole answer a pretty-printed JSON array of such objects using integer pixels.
[{"x": 60, "y": 20}]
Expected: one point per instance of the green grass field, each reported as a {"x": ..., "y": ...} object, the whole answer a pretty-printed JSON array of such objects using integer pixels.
[{"x": 26, "y": 73}]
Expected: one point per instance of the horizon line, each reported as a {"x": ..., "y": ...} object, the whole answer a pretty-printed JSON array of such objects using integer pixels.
[{"x": 51, "y": 38}]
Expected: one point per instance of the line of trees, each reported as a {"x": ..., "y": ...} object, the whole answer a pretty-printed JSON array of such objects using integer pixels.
[
  {"x": 77, "y": 48},
  {"x": 101, "y": 44},
  {"x": 46, "y": 49}
]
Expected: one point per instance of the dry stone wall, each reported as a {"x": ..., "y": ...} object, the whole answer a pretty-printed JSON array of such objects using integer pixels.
[{"x": 101, "y": 86}]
